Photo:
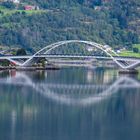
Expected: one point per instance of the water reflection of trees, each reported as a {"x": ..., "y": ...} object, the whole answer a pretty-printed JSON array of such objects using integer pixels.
[
  {"x": 124, "y": 103},
  {"x": 35, "y": 114},
  {"x": 25, "y": 101},
  {"x": 34, "y": 110},
  {"x": 81, "y": 76}
]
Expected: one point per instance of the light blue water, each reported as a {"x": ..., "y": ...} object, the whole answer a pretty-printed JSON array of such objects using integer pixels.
[{"x": 69, "y": 104}]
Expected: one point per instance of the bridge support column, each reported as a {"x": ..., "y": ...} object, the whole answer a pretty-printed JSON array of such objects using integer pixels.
[{"x": 128, "y": 71}]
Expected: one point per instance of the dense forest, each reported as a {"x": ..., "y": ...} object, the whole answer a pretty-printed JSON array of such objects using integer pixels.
[{"x": 116, "y": 23}]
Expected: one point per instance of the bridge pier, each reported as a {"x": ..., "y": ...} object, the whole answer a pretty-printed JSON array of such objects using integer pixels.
[{"x": 128, "y": 71}]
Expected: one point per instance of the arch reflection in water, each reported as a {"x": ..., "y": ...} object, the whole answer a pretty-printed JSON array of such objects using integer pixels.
[{"x": 72, "y": 94}]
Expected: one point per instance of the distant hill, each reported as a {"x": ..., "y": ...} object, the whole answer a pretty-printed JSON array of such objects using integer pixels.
[{"x": 116, "y": 23}]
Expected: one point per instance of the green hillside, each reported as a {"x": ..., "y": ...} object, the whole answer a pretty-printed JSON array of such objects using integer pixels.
[{"x": 104, "y": 21}]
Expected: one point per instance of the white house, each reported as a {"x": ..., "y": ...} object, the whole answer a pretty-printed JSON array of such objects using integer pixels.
[{"x": 107, "y": 47}]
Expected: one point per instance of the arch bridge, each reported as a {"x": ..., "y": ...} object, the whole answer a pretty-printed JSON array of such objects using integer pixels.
[{"x": 85, "y": 52}]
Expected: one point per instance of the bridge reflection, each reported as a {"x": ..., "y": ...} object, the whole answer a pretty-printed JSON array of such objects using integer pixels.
[{"x": 70, "y": 93}]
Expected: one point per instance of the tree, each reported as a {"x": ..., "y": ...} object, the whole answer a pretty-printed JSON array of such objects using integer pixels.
[
  {"x": 21, "y": 52},
  {"x": 135, "y": 50},
  {"x": 9, "y": 5}
]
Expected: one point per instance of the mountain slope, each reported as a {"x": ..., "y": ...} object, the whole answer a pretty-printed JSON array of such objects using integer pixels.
[{"x": 107, "y": 22}]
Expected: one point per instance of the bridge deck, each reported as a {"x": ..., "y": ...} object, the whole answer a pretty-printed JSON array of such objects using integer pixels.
[{"x": 71, "y": 56}]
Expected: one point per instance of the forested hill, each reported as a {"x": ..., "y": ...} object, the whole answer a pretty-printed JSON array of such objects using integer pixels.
[{"x": 113, "y": 22}]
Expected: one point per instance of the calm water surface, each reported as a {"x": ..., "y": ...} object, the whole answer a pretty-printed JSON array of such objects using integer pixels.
[{"x": 69, "y": 104}]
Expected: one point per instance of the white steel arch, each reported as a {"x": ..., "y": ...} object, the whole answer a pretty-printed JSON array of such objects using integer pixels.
[{"x": 51, "y": 47}]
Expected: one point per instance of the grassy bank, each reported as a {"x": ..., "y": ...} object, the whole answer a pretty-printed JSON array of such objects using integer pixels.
[
  {"x": 7, "y": 12},
  {"x": 129, "y": 54},
  {"x": 136, "y": 46}
]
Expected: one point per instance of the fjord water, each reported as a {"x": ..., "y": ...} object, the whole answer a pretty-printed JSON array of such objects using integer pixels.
[{"x": 69, "y": 104}]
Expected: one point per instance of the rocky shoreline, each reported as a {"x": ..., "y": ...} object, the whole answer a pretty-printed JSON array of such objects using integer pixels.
[{"x": 29, "y": 68}]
